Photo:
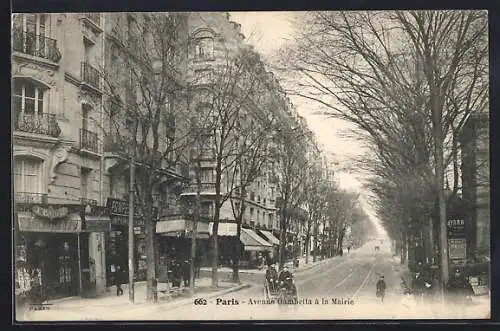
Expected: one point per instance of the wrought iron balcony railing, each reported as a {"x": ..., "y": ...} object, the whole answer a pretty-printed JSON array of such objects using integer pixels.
[
  {"x": 90, "y": 75},
  {"x": 45, "y": 124},
  {"x": 204, "y": 188},
  {"x": 35, "y": 45},
  {"x": 28, "y": 198},
  {"x": 94, "y": 17},
  {"x": 88, "y": 141}
]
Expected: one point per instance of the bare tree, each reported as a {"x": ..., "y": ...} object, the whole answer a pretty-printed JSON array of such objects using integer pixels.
[
  {"x": 231, "y": 90},
  {"x": 371, "y": 67},
  {"x": 143, "y": 117}
]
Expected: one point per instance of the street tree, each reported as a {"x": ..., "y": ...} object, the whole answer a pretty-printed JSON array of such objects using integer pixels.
[
  {"x": 231, "y": 91},
  {"x": 376, "y": 65},
  {"x": 143, "y": 113},
  {"x": 290, "y": 168}
]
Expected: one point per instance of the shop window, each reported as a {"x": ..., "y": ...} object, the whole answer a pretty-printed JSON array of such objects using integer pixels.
[{"x": 28, "y": 175}]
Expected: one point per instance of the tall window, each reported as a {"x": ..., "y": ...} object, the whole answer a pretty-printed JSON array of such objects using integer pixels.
[
  {"x": 207, "y": 175},
  {"x": 33, "y": 27},
  {"x": 85, "y": 182},
  {"x": 27, "y": 175},
  {"x": 27, "y": 97},
  {"x": 205, "y": 48}
]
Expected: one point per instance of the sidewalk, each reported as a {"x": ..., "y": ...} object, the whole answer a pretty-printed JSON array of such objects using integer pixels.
[
  {"x": 407, "y": 307},
  {"x": 262, "y": 271},
  {"x": 110, "y": 306}
]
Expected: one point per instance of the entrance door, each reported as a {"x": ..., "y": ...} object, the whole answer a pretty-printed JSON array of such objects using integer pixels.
[{"x": 116, "y": 252}]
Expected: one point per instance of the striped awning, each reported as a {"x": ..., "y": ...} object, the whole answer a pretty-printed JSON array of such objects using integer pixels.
[
  {"x": 253, "y": 242},
  {"x": 181, "y": 227},
  {"x": 270, "y": 237},
  {"x": 224, "y": 229}
]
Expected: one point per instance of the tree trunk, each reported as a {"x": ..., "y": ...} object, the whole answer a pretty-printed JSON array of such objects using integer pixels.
[
  {"x": 197, "y": 217},
  {"x": 404, "y": 248},
  {"x": 152, "y": 294},
  {"x": 308, "y": 245},
  {"x": 215, "y": 250},
  {"x": 439, "y": 167},
  {"x": 315, "y": 246},
  {"x": 282, "y": 239},
  {"x": 236, "y": 257}
]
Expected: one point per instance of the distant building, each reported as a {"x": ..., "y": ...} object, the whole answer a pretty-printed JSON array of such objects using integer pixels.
[{"x": 476, "y": 182}]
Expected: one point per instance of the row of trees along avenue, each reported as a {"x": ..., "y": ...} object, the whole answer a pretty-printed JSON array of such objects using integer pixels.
[
  {"x": 157, "y": 117},
  {"x": 407, "y": 81}
]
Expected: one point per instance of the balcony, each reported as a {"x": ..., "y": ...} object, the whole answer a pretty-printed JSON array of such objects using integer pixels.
[
  {"x": 88, "y": 141},
  {"x": 35, "y": 45},
  {"x": 94, "y": 17},
  {"x": 90, "y": 76},
  {"x": 29, "y": 198},
  {"x": 44, "y": 124},
  {"x": 205, "y": 187}
]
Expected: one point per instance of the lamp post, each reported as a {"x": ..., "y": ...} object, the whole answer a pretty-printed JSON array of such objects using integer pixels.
[{"x": 131, "y": 230}]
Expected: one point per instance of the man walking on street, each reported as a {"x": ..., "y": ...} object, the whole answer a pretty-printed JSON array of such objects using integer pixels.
[
  {"x": 458, "y": 291},
  {"x": 381, "y": 286}
]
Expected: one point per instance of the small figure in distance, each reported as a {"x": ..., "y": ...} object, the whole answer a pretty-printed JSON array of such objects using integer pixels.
[{"x": 381, "y": 286}]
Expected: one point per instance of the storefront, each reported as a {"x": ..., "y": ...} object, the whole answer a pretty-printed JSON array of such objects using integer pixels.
[
  {"x": 269, "y": 237},
  {"x": 47, "y": 251},
  {"x": 255, "y": 250},
  {"x": 95, "y": 225},
  {"x": 174, "y": 243},
  {"x": 117, "y": 241}
]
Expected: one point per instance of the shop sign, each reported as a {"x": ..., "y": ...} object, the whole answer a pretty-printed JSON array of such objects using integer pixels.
[
  {"x": 456, "y": 228},
  {"x": 50, "y": 212},
  {"x": 457, "y": 249},
  {"x": 120, "y": 208}
]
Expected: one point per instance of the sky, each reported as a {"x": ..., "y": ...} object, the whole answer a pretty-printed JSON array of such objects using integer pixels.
[{"x": 267, "y": 32}]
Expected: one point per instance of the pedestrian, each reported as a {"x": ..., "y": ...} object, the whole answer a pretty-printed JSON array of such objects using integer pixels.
[
  {"x": 381, "y": 286},
  {"x": 176, "y": 273},
  {"x": 186, "y": 272},
  {"x": 417, "y": 286},
  {"x": 458, "y": 290},
  {"x": 118, "y": 280}
]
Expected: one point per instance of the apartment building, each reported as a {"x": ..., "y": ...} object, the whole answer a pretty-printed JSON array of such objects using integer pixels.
[
  {"x": 57, "y": 152},
  {"x": 476, "y": 183}
]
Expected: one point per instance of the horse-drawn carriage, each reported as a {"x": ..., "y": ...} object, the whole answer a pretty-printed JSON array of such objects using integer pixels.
[{"x": 282, "y": 292}]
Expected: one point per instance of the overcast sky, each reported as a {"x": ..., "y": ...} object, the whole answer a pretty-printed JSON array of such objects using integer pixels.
[{"x": 268, "y": 31}]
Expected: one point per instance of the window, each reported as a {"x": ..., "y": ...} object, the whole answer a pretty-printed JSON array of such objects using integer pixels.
[
  {"x": 258, "y": 215},
  {"x": 207, "y": 175},
  {"x": 33, "y": 29},
  {"x": 27, "y": 97},
  {"x": 203, "y": 76},
  {"x": 204, "y": 48},
  {"x": 28, "y": 175},
  {"x": 85, "y": 182}
]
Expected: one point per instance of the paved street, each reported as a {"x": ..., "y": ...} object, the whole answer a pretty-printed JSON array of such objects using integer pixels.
[
  {"x": 337, "y": 288},
  {"x": 349, "y": 279}
]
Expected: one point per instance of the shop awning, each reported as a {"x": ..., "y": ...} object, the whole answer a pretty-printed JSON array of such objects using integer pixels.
[
  {"x": 181, "y": 227},
  {"x": 253, "y": 242},
  {"x": 30, "y": 223},
  {"x": 270, "y": 237},
  {"x": 94, "y": 223},
  {"x": 224, "y": 229}
]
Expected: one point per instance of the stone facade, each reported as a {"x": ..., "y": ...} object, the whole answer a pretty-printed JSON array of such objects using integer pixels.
[
  {"x": 476, "y": 181},
  {"x": 56, "y": 148}
]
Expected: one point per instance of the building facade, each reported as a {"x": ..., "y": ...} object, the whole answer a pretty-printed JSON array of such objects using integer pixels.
[
  {"x": 476, "y": 183},
  {"x": 57, "y": 160}
]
